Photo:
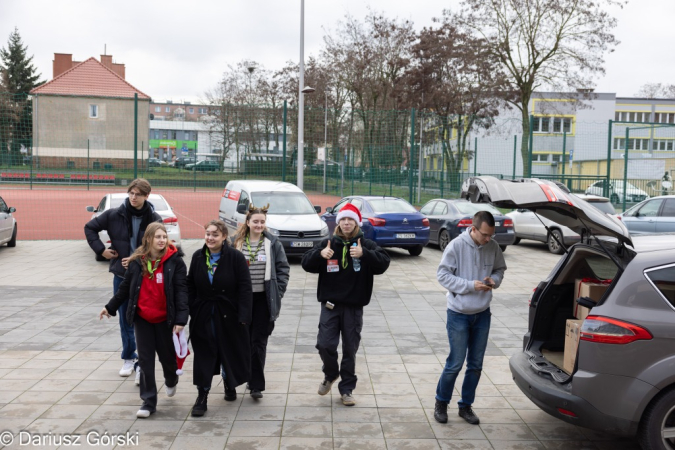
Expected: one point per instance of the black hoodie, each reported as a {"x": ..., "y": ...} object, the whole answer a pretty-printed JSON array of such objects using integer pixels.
[{"x": 346, "y": 286}]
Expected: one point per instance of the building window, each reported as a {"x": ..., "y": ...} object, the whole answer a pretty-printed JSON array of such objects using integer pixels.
[
  {"x": 158, "y": 109},
  {"x": 202, "y": 110},
  {"x": 93, "y": 111},
  {"x": 167, "y": 109},
  {"x": 173, "y": 135},
  {"x": 156, "y": 134},
  {"x": 556, "y": 158},
  {"x": 165, "y": 135},
  {"x": 545, "y": 124},
  {"x": 192, "y": 110}
]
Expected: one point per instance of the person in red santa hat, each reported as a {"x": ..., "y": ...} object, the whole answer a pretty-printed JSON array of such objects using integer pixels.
[{"x": 346, "y": 264}]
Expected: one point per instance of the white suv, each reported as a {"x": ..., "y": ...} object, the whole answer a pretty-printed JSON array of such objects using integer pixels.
[{"x": 616, "y": 190}]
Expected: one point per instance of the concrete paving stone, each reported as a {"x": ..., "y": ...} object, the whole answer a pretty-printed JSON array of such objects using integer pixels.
[
  {"x": 361, "y": 430},
  {"x": 307, "y": 429},
  {"x": 507, "y": 432},
  {"x": 248, "y": 443},
  {"x": 305, "y": 443},
  {"x": 309, "y": 399},
  {"x": 412, "y": 444},
  {"x": 217, "y": 413},
  {"x": 204, "y": 428},
  {"x": 199, "y": 442},
  {"x": 391, "y": 378},
  {"x": 108, "y": 386},
  {"x": 450, "y": 444},
  {"x": 260, "y": 428},
  {"x": 534, "y": 416},
  {"x": 267, "y": 400},
  {"x": 359, "y": 444},
  {"x": 27, "y": 374},
  {"x": 362, "y": 401},
  {"x": 351, "y": 414},
  {"x": 496, "y": 415},
  {"x": 309, "y": 414},
  {"x": 517, "y": 445},
  {"x": 153, "y": 427},
  {"x": 112, "y": 426},
  {"x": 409, "y": 430},
  {"x": 565, "y": 445},
  {"x": 454, "y": 430},
  {"x": 397, "y": 401},
  {"x": 39, "y": 397},
  {"x": 394, "y": 389},
  {"x": 43, "y": 363},
  {"x": 261, "y": 413},
  {"x": 69, "y": 412}
]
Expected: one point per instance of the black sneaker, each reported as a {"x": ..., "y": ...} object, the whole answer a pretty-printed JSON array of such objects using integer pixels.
[
  {"x": 199, "y": 407},
  {"x": 467, "y": 414},
  {"x": 230, "y": 394},
  {"x": 441, "y": 412},
  {"x": 256, "y": 394}
]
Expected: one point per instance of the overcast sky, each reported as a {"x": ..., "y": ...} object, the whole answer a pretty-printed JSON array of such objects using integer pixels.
[{"x": 178, "y": 49}]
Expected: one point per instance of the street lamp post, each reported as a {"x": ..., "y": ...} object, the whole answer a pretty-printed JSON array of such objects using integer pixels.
[
  {"x": 301, "y": 100},
  {"x": 325, "y": 142}
]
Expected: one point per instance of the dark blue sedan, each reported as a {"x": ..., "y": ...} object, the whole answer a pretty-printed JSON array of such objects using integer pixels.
[
  {"x": 449, "y": 218},
  {"x": 389, "y": 221}
]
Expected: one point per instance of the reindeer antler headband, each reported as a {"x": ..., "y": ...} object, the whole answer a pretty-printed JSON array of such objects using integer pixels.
[{"x": 252, "y": 208}]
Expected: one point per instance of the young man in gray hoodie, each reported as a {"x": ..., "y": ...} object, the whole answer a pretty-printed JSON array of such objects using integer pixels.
[{"x": 471, "y": 267}]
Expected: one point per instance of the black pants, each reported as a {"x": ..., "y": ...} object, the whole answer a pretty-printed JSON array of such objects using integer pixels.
[
  {"x": 261, "y": 329},
  {"x": 151, "y": 338},
  {"x": 348, "y": 321}
]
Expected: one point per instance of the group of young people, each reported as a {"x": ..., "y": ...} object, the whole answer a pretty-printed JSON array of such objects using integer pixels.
[{"x": 231, "y": 297}]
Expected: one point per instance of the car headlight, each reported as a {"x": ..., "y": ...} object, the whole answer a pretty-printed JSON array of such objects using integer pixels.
[
  {"x": 273, "y": 231},
  {"x": 324, "y": 230}
]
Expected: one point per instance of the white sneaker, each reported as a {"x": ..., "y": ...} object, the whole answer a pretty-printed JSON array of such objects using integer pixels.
[
  {"x": 170, "y": 391},
  {"x": 128, "y": 368},
  {"x": 143, "y": 413},
  {"x": 137, "y": 381}
]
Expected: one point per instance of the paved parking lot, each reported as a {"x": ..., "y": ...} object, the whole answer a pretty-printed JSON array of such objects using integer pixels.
[{"x": 59, "y": 364}]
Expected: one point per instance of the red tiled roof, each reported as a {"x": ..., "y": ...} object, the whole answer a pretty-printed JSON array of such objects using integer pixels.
[{"x": 90, "y": 78}]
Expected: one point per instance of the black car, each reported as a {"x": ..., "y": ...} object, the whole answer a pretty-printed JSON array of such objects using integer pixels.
[
  {"x": 183, "y": 161},
  {"x": 449, "y": 218}
]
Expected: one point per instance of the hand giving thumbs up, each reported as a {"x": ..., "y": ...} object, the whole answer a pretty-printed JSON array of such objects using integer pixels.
[
  {"x": 356, "y": 251},
  {"x": 327, "y": 253}
]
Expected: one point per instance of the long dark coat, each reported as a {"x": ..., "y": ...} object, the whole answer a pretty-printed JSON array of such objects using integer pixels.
[{"x": 221, "y": 308}]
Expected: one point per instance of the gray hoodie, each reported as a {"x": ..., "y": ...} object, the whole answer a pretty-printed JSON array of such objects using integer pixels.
[{"x": 464, "y": 262}]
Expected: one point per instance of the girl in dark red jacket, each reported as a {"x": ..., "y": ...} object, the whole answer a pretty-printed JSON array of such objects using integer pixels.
[{"x": 155, "y": 291}]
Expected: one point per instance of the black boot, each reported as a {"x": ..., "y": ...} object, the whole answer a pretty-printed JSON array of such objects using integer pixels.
[
  {"x": 441, "y": 412},
  {"x": 230, "y": 394},
  {"x": 467, "y": 414},
  {"x": 199, "y": 407}
]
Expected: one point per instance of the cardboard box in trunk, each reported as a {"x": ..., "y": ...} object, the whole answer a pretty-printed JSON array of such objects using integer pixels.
[
  {"x": 572, "y": 329},
  {"x": 594, "y": 291}
]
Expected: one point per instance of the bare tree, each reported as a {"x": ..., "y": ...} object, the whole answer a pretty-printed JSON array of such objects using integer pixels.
[
  {"x": 555, "y": 44},
  {"x": 656, "y": 90}
]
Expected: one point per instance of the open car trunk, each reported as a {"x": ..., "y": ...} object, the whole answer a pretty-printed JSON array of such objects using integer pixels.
[{"x": 554, "y": 302}]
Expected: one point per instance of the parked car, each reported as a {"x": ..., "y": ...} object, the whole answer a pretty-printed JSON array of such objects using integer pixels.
[
  {"x": 203, "y": 166},
  {"x": 529, "y": 225},
  {"x": 8, "y": 226},
  {"x": 183, "y": 161},
  {"x": 158, "y": 202},
  {"x": 449, "y": 218},
  {"x": 291, "y": 216},
  {"x": 621, "y": 379},
  {"x": 656, "y": 215},
  {"x": 616, "y": 190},
  {"x": 154, "y": 162},
  {"x": 389, "y": 221}
]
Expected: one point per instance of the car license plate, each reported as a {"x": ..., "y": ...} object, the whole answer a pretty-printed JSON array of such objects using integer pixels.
[
  {"x": 497, "y": 224},
  {"x": 302, "y": 244},
  {"x": 405, "y": 236}
]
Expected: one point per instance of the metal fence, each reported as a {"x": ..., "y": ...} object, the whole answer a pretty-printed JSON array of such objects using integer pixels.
[{"x": 50, "y": 142}]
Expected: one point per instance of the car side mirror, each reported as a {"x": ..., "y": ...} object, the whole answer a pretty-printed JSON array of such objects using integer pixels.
[
  {"x": 317, "y": 209},
  {"x": 91, "y": 209},
  {"x": 329, "y": 209},
  {"x": 521, "y": 210},
  {"x": 241, "y": 208},
  {"x": 12, "y": 209}
]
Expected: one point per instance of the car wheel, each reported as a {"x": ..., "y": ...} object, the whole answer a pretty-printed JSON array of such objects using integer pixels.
[
  {"x": 444, "y": 240},
  {"x": 517, "y": 241},
  {"x": 503, "y": 248},
  {"x": 416, "y": 250},
  {"x": 12, "y": 241},
  {"x": 614, "y": 199},
  {"x": 553, "y": 245},
  {"x": 658, "y": 423}
]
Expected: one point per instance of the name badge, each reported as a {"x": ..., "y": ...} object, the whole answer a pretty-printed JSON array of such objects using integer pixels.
[
  {"x": 332, "y": 265},
  {"x": 160, "y": 278},
  {"x": 262, "y": 258}
]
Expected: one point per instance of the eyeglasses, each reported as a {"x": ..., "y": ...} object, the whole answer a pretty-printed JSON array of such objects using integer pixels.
[
  {"x": 485, "y": 235},
  {"x": 136, "y": 194}
]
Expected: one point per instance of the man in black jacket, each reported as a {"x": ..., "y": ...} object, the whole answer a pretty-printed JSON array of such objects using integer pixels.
[
  {"x": 346, "y": 265},
  {"x": 125, "y": 226}
]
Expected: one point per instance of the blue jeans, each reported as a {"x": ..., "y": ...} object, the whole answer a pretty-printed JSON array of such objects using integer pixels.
[
  {"x": 126, "y": 329},
  {"x": 468, "y": 336}
]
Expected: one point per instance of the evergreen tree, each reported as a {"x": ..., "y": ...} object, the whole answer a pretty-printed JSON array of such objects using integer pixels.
[{"x": 19, "y": 75}]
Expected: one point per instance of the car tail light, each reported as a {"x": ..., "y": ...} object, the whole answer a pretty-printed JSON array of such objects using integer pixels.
[
  {"x": 465, "y": 223},
  {"x": 171, "y": 220},
  {"x": 566, "y": 412},
  {"x": 425, "y": 222},
  {"x": 508, "y": 223},
  {"x": 376, "y": 221},
  {"x": 529, "y": 302},
  {"x": 605, "y": 330}
]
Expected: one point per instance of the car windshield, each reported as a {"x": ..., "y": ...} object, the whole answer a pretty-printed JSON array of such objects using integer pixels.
[
  {"x": 157, "y": 202},
  {"x": 283, "y": 202},
  {"x": 472, "y": 208},
  {"x": 605, "y": 207},
  {"x": 391, "y": 205}
]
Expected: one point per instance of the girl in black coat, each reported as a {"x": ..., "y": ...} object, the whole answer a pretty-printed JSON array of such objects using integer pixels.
[
  {"x": 220, "y": 299},
  {"x": 155, "y": 292}
]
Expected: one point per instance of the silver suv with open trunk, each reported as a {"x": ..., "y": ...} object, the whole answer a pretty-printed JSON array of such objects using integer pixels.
[{"x": 618, "y": 374}]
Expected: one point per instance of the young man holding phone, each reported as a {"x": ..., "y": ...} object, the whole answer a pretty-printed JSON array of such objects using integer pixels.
[{"x": 471, "y": 267}]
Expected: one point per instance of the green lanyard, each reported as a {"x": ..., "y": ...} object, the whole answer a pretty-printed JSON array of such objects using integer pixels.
[
  {"x": 152, "y": 268},
  {"x": 211, "y": 266},
  {"x": 252, "y": 256},
  {"x": 346, "y": 245}
]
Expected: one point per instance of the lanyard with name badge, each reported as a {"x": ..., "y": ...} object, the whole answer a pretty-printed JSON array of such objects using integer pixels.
[{"x": 252, "y": 256}]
